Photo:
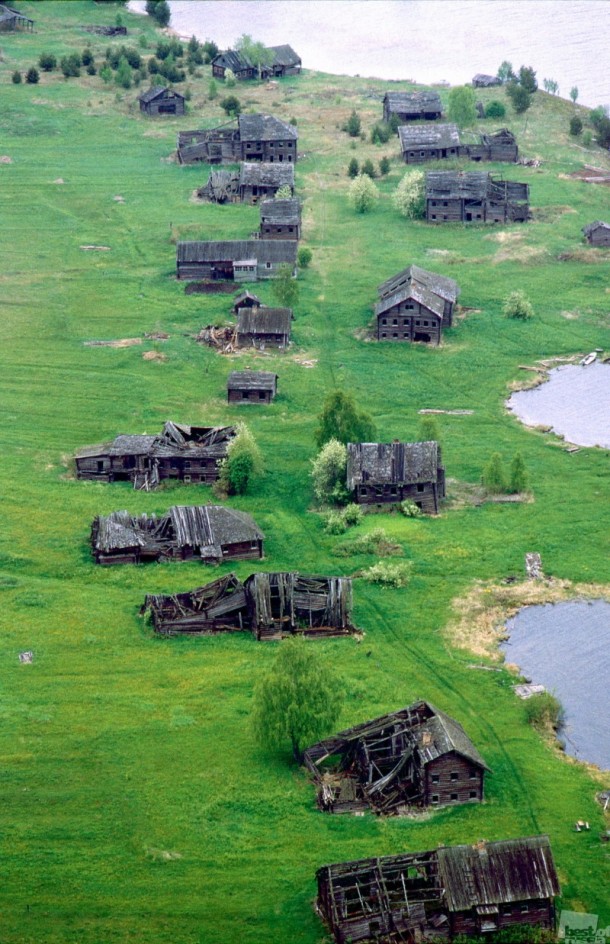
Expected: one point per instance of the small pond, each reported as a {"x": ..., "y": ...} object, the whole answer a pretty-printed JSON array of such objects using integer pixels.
[
  {"x": 566, "y": 648},
  {"x": 575, "y": 402}
]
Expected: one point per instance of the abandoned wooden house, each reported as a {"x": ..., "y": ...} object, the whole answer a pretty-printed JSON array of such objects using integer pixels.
[
  {"x": 241, "y": 260},
  {"x": 388, "y": 473},
  {"x": 497, "y": 146},
  {"x": 191, "y": 454},
  {"x": 251, "y": 386},
  {"x": 441, "y": 893},
  {"x": 415, "y": 305},
  {"x": 251, "y": 183},
  {"x": 210, "y": 533},
  {"x": 160, "y": 100},
  {"x": 460, "y": 196},
  {"x": 412, "y": 106},
  {"x": 285, "y": 62},
  {"x": 597, "y": 233},
  {"x": 237, "y": 62},
  {"x": 245, "y": 299},
  {"x": 420, "y": 143},
  {"x": 270, "y": 605},
  {"x": 481, "y": 80},
  {"x": 255, "y": 137},
  {"x": 11, "y": 20},
  {"x": 280, "y": 219},
  {"x": 417, "y": 756},
  {"x": 263, "y": 327}
]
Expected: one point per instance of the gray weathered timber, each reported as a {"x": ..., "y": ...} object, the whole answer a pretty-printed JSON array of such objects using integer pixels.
[
  {"x": 435, "y": 142},
  {"x": 597, "y": 233},
  {"x": 474, "y": 196},
  {"x": 285, "y": 62},
  {"x": 481, "y": 80},
  {"x": 388, "y": 473},
  {"x": 11, "y": 20},
  {"x": 262, "y": 327},
  {"x": 415, "y": 305},
  {"x": 412, "y": 106},
  {"x": 251, "y": 386},
  {"x": 237, "y": 62},
  {"x": 280, "y": 219},
  {"x": 243, "y": 260},
  {"x": 161, "y": 100},
  {"x": 256, "y": 137}
]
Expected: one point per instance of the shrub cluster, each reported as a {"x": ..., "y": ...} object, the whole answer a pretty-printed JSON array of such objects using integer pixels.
[
  {"x": 375, "y": 542},
  {"x": 543, "y": 711},
  {"x": 389, "y": 573}
]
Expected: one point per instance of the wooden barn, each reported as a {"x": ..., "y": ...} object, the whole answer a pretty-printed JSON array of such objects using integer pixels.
[
  {"x": 251, "y": 386},
  {"x": 438, "y": 894},
  {"x": 160, "y": 100},
  {"x": 255, "y": 137},
  {"x": 419, "y": 143},
  {"x": 597, "y": 233},
  {"x": 415, "y": 305},
  {"x": 415, "y": 757},
  {"x": 280, "y": 219},
  {"x": 285, "y": 62},
  {"x": 210, "y": 533},
  {"x": 263, "y": 327},
  {"x": 190, "y": 454},
  {"x": 412, "y": 106},
  {"x": 460, "y": 196},
  {"x": 270, "y": 605},
  {"x": 11, "y": 20},
  {"x": 388, "y": 473},
  {"x": 245, "y": 299},
  {"x": 240, "y": 65},
  {"x": 481, "y": 80},
  {"x": 241, "y": 260}
]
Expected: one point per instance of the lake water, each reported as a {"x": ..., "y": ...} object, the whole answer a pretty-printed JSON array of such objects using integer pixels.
[
  {"x": 575, "y": 402},
  {"x": 566, "y": 648},
  {"x": 425, "y": 40}
]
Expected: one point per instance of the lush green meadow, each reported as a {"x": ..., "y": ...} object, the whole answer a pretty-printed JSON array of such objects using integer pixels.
[{"x": 135, "y": 804}]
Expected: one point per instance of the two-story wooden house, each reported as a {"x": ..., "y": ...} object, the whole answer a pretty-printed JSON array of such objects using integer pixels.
[
  {"x": 280, "y": 219},
  {"x": 256, "y": 137},
  {"x": 388, "y": 473},
  {"x": 474, "y": 197},
  {"x": 415, "y": 305}
]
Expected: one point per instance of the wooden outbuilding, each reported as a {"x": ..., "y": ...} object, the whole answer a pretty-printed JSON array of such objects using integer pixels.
[
  {"x": 597, "y": 233},
  {"x": 440, "y": 893},
  {"x": 415, "y": 757},
  {"x": 280, "y": 219},
  {"x": 460, "y": 196},
  {"x": 210, "y": 533},
  {"x": 285, "y": 62},
  {"x": 251, "y": 183},
  {"x": 245, "y": 299},
  {"x": 190, "y": 454},
  {"x": 263, "y": 327},
  {"x": 254, "y": 137},
  {"x": 251, "y": 386},
  {"x": 241, "y": 260},
  {"x": 412, "y": 106},
  {"x": 481, "y": 80},
  {"x": 419, "y": 143},
  {"x": 161, "y": 100},
  {"x": 388, "y": 473},
  {"x": 415, "y": 305},
  {"x": 12, "y": 20},
  {"x": 237, "y": 62}
]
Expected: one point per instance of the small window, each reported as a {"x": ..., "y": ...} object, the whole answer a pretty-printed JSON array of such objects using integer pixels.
[
  {"x": 187, "y": 478},
  {"x": 244, "y": 394},
  {"x": 454, "y": 797},
  {"x": 393, "y": 490},
  {"x": 384, "y": 335},
  {"x": 363, "y": 491},
  {"x": 435, "y": 778},
  {"x": 473, "y": 794},
  {"x": 433, "y": 216},
  {"x": 261, "y": 394},
  {"x": 420, "y": 488},
  {"x": 474, "y": 773},
  {"x": 268, "y": 265},
  {"x": 454, "y": 775},
  {"x": 395, "y": 335},
  {"x": 434, "y": 798},
  {"x": 395, "y": 321},
  {"x": 384, "y": 321},
  {"x": 445, "y": 203},
  {"x": 525, "y": 908}
]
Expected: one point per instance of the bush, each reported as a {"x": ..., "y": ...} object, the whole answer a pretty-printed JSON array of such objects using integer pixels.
[
  {"x": 242, "y": 464},
  {"x": 519, "y": 96},
  {"x": 462, "y": 106},
  {"x": 517, "y": 305},
  {"x": 123, "y": 74},
  {"x": 231, "y": 105},
  {"x": 304, "y": 257},
  {"x": 32, "y": 76},
  {"x": 16, "y": 77},
  {"x": 380, "y": 133},
  {"x": 575, "y": 125},
  {"x": 603, "y": 133},
  {"x": 229, "y": 78},
  {"x": 408, "y": 198},
  {"x": 352, "y": 514},
  {"x": 47, "y": 62},
  {"x": 389, "y": 573},
  {"x": 352, "y": 168},
  {"x": 527, "y": 79},
  {"x": 106, "y": 73},
  {"x": 159, "y": 10},
  {"x": 212, "y": 90},
  {"x": 329, "y": 471},
  {"x": 210, "y": 50},
  {"x": 335, "y": 523},
  {"x": 368, "y": 168},
  {"x": 87, "y": 57},
  {"x": 375, "y": 542},
  {"x": 384, "y": 166},
  {"x": 495, "y": 109},
  {"x": 587, "y": 139},
  {"x": 409, "y": 509},
  {"x": 543, "y": 711},
  {"x": 518, "y": 479},
  {"x": 362, "y": 193},
  {"x": 153, "y": 65},
  {"x": 284, "y": 192},
  {"x": 493, "y": 478},
  {"x": 91, "y": 70},
  {"x": 353, "y": 125},
  {"x": 70, "y": 65},
  {"x": 428, "y": 430}
]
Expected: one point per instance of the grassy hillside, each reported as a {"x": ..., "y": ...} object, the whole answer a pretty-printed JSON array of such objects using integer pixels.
[{"x": 135, "y": 804}]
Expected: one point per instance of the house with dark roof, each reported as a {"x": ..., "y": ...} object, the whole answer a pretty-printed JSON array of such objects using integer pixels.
[
  {"x": 419, "y": 143},
  {"x": 597, "y": 233},
  {"x": 11, "y": 20},
  {"x": 242, "y": 260},
  {"x": 415, "y": 305},
  {"x": 255, "y": 137},
  {"x": 412, "y": 106},
  {"x": 237, "y": 62},
  {"x": 190, "y": 454},
  {"x": 440, "y": 893},
  {"x": 480, "y": 80},
  {"x": 388, "y": 473},
  {"x": 415, "y": 757},
  {"x": 161, "y": 100},
  {"x": 474, "y": 197},
  {"x": 263, "y": 327},
  {"x": 285, "y": 62},
  {"x": 280, "y": 219},
  {"x": 210, "y": 533},
  {"x": 251, "y": 386}
]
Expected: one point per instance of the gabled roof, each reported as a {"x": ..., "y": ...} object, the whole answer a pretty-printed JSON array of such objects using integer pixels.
[
  {"x": 264, "y": 250},
  {"x": 473, "y": 185},
  {"x": 265, "y": 128},
  {"x": 392, "y": 463},
  {"x": 174, "y": 439},
  {"x": 157, "y": 91},
  {"x": 266, "y": 174},
  {"x": 246, "y": 296},
  {"x": 285, "y": 56},
  {"x": 593, "y": 227},
  {"x": 435, "y": 136},
  {"x": 441, "y": 285},
  {"x": 251, "y": 380},
  {"x": 281, "y": 211},
  {"x": 230, "y": 59},
  {"x": 414, "y": 103},
  {"x": 8, "y": 13},
  {"x": 264, "y": 321}
]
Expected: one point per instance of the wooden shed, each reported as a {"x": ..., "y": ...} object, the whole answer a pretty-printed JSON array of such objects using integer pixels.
[
  {"x": 161, "y": 100},
  {"x": 419, "y": 143},
  {"x": 11, "y": 20},
  {"x": 597, "y": 233},
  {"x": 251, "y": 386},
  {"x": 245, "y": 299},
  {"x": 415, "y": 757},
  {"x": 415, "y": 305},
  {"x": 481, "y": 80},
  {"x": 280, "y": 219},
  {"x": 285, "y": 62},
  {"x": 210, "y": 533},
  {"x": 190, "y": 454},
  {"x": 263, "y": 327},
  {"x": 388, "y": 473},
  {"x": 254, "y": 137},
  {"x": 242, "y": 260},
  {"x": 459, "y": 196},
  {"x": 412, "y": 106},
  {"x": 440, "y": 893}
]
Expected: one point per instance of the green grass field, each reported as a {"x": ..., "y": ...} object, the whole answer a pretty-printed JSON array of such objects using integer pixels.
[{"x": 135, "y": 804}]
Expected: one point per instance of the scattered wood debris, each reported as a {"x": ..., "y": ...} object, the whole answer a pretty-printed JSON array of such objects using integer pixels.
[
  {"x": 95, "y": 248},
  {"x": 533, "y": 566},
  {"x": 27, "y": 657},
  {"x": 154, "y": 356},
  {"x": 449, "y": 412},
  {"x": 157, "y": 336},
  {"x": 120, "y": 342},
  {"x": 222, "y": 337},
  {"x": 5, "y": 159},
  {"x": 528, "y": 689}
]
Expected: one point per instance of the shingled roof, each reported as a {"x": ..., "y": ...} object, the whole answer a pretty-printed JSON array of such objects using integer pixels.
[
  {"x": 266, "y": 174},
  {"x": 593, "y": 227},
  {"x": 230, "y": 59},
  {"x": 155, "y": 92},
  {"x": 251, "y": 380},
  {"x": 393, "y": 463},
  {"x": 264, "y": 250},
  {"x": 174, "y": 439},
  {"x": 284, "y": 56},
  {"x": 261, "y": 127},
  {"x": 438, "y": 136},
  {"x": 428, "y": 288},
  {"x": 472, "y": 185},
  {"x": 413, "y": 102},
  {"x": 281, "y": 211},
  {"x": 264, "y": 321}
]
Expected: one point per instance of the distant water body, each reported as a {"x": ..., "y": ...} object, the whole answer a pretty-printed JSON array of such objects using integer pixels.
[
  {"x": 566, "y": 647},
  {"x": 428, "y": 41}
]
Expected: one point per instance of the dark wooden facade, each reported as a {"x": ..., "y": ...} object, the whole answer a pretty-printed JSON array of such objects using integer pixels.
[
  {"x": 11, "y": 20},
  {"x": 285, "y": 62},
  {"x": 420, "y": 143},
  {"x": 161, "y": 101},
  {"x": 263, "y": 327},
  {"x": 245, "y": 299},
  {"x": 251, "y": 386},
  {"x": 210, "y": 533},
  {"x": 497, "y": 146},
  {"x": 480, "y": 80},
  {"x": 388, "y": 473},
  {"x": 412, "y": 106},
  {"x": 190, "y": 454},
  {"x": 240, "y": 66},
  {"x": 255, "y": 137},
  {"x": 415, "y": 305},
  {"x": 440, "y": 893},
  {"x": 474, "y": 197},
  {"x": 597, "y": 233},
  {"x": 241, "y": 260},
  {"x": 280, "y": 219},
  {"x": 415, "y": 757},
  {"x": 251, "y": 183}
]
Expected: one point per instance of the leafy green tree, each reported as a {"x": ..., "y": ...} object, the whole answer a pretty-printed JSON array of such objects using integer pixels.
[
  {"x": 518, "y": 477},
  {"x": 47, "y": 62},
  {"x": 87, "y": 56},
  {"x": 380, "y": 132},
  {"x": 551, "y": 86},
  {"x": 603, "y": 132},
  {"x": 362, "y": 194},
  {"x": 384, "y": 166},
  {"x": 16, "y": 78},
  {"x": 284, "y": 192},
  {"x": 574, "y": 93},
  {"x": 194, "y": 51},
  {"x": 495, "y": 109},
  {"x": 106, "y": 74},
  {"x": 368, "y": 168},
  {"x": 493, "y": 477},
  {"x": 408, "y": 198},
  {"x": 575, "y": 125},
  {"x": 284, "y": 287},
  {"x": 506, "y": 73},
  {"x": 462, "y": 107},
  {"x": 32, "y": 76},
  {"x": 341, "y": 419},
  {"x": 428, "y": 430},
  {"x": 353, "y": 125},
  {"x": 231, "y": 105},
  {"x": 304, "y": 257},
  {"x": 517, "y": 305},
  {"x": 298, "y": 700},
  {"x": 352, "y": 168},
  {"x": 230, "y": 78},
  {"x": 210, "y": 50},
  {"x": 255, "y": 51},
  {"x": 242, "y": 464},
  {"x": 159, "y": 10},
  {"x": 70, "y": 65},
  {"x": 527, "y": 79},
  {"x": 212, "y": 90},
  {"x": 123, "y": 74},
  {"x": 328, "y": 473},
  {"x": 519, "y": 96}
]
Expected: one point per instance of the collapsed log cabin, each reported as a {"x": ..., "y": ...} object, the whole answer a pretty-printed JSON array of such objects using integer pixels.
[
  {"x": 263, "y": 327},
  {"x": 251, "y": 183},
  {"x": 388, "y": 473},
  {"x": 597, "y": 233},
  {"x": 415, "y": 305},
  {"x": 255, "y": 137},
  {"x": 11, "y": 20},
  {"x": 190, "y": 454},
  {"x": 438, "y": 894},
  {"x": 280, "y": 219},
  {"x": 421, "y": 143},
  {"x": 497, "y": 146},
  {"x": 210, "y": 533},
  {"x": 480, "y": 80},
  {"x": 270, "y": 605},
  {"x": 251, "y": 386},
  {"x": 240, "y": 260},
  {"x": 412, "y": 106},
  {"x": 459, "y": 196},
  {"x": 160, "y": 100},
  {"x": 285, "y": 62},
  {"x": 415, "y": 757}
]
